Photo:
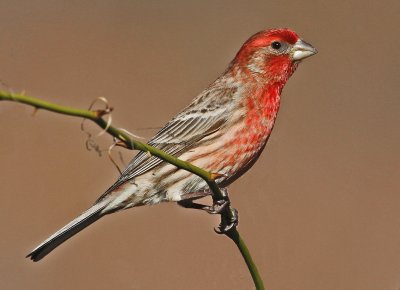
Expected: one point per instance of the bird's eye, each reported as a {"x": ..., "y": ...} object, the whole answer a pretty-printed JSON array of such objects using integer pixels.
[{"x": 276, "y": 45}]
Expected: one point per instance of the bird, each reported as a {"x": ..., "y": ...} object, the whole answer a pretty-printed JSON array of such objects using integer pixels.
[{"x": 223, "y": 130}]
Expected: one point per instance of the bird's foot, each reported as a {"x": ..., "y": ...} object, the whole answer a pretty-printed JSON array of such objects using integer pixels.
[
  {"x": 229, "y": 216},
  {"x": 229, "y": 220},
  {"x": 217, "y": 207}
]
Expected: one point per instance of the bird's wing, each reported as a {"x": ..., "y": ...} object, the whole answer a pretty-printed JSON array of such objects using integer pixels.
[
  {"x": 206, "y": 114},
  {"x": 178, "y": 135}
]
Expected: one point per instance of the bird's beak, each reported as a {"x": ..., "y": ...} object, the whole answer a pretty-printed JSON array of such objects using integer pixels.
[{"x": 302, "y": 49}]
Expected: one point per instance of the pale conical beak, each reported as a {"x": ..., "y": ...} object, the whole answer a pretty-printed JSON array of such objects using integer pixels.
[{"x": 302, "y": 49}]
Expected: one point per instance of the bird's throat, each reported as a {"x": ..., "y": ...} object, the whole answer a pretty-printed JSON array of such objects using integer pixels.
[{"x": 263, "y": 105}]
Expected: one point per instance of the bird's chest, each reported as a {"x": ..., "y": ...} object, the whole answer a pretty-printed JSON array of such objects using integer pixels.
[
  {"x": 260, "y": 115},
  {"x": 248, "y": 138}
]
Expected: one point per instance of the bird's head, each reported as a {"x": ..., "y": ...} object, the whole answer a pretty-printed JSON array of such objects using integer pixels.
[{"x": 273, "y": 54}]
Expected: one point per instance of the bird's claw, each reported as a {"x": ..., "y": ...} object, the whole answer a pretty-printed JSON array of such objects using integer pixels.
[
  {"x": 229, "y": 216},
  {"x": 218, "y": 206},
  {"x": 228, "y": 222}
]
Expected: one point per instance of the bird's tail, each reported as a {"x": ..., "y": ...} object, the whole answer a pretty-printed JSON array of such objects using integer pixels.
[{"x": 74, "y": 227}]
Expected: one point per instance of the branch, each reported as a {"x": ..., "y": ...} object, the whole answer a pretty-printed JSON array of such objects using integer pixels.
[{"x": 97, "y": 117}]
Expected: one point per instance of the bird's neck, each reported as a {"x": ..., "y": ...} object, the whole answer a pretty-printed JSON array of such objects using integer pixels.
[{"x": 260, "y": 97}]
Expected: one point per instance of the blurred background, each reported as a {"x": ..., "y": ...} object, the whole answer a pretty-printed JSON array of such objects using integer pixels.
[{"x": 320, "y": 209}]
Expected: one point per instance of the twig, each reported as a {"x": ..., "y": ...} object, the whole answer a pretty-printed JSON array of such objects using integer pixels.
[{"x": 96, "y": 116}]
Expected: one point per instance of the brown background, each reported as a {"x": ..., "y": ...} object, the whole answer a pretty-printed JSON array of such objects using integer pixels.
[{"x": 320, "y": 209}]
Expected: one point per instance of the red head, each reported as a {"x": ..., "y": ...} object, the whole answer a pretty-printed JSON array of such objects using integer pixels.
[{"x": 273, "y": 54}]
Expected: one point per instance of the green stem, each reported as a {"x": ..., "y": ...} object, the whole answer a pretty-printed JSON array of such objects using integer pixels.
[
  {"x": 96, "y": 116},
  {"x": 234, "y": 235}
]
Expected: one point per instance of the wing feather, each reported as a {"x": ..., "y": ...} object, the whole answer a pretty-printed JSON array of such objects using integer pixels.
[{"x": 188, "y": 127}]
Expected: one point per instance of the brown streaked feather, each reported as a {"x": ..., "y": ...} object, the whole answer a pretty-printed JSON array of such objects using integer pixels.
[{"x": 187, "y": 128}]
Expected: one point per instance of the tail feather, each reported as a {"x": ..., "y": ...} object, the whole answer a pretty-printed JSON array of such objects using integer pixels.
[{"x": 74, "y": 227}]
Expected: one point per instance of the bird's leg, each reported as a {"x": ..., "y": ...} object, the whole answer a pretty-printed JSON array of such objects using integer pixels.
[
  {"x": 188, "y": 203},
  {"x": 217, "y": 207}
]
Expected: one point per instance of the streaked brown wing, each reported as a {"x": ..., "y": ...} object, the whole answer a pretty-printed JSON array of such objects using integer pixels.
[
  {"x": 187, "y": 134},
  {"x": 206, "y": 114}
]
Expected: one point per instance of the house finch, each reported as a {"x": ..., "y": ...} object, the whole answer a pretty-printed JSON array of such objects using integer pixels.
[{"x": 223, "y": 131}]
